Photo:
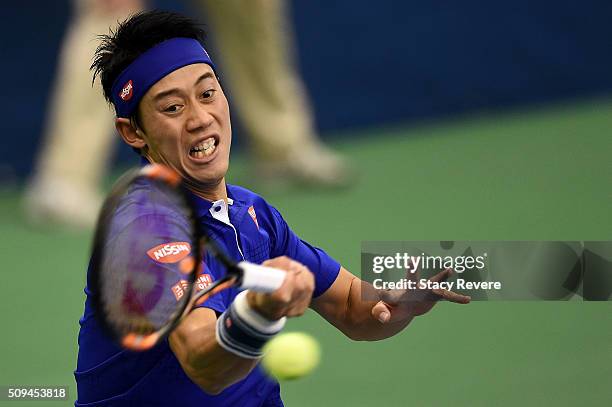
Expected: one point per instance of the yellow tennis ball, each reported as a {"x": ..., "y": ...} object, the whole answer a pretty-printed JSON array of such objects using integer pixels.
[{"x": 291, "y": 355}]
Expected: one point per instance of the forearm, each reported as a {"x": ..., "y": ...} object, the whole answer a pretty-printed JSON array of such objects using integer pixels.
[{"x": 202, "y": 358}]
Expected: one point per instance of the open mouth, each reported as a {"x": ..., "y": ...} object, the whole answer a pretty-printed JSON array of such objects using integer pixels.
[{"x": 204, "y": 148}]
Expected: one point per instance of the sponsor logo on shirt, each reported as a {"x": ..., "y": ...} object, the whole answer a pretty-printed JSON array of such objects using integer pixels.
[
  {"x": 253, "y": 215},
  {"x": 179, "y": 289},
  {"x": 127, "y": 91},
  {"x": 171, "y": 252},
  {"x": 203, "y": 282}
]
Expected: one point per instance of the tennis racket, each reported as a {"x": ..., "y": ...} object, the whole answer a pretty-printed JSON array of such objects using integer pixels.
[{"x": 145, "y": 271}]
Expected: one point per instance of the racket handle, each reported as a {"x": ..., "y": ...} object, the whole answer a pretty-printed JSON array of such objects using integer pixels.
[{"x": 260, "y": 278}]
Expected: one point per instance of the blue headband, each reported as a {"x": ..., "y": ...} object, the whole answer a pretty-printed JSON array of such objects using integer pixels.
[{"x": 151, "y": 66}]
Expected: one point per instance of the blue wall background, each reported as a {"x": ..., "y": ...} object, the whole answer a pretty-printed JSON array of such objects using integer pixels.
[{"x": 365, "y": 63}]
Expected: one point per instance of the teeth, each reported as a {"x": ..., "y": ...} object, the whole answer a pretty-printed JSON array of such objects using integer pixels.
[{"x": 204, "y": 149}]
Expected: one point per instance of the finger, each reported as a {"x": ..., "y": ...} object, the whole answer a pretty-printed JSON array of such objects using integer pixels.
[
  {"x": 302, "y": 289},
  {"x": 304, "y": 279},
  {"x": 442, "y": 276},
  {"x": 298, "y": 308},
  {"x": 451, "y": 296},
  {"x": 381, "y": 312},
  {"x": 301, "y": 300},
  {"x": 303, "y": 293},
  {"x": 283, "y": 263},
  {"x": 391, "y": 297},
  {"x": 284, "y": 293},
  {"x": 295, "y": 266},
  {"x": 412, "y": 273}
]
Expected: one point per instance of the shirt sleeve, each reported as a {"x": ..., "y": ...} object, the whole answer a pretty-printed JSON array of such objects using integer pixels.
[{"x": 287, "y": 243}]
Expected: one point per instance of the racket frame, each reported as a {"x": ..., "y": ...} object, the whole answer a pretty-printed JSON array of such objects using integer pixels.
[{"x": 157, "y": 173}]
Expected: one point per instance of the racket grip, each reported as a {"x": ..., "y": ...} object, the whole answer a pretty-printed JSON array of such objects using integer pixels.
[{"x": 260, "y": 278}]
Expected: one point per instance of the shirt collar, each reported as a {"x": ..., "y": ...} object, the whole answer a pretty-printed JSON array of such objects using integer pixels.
[{"x": 204, "y": 206}]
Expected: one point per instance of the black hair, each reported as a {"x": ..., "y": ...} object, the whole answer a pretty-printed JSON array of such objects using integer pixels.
[{"x": 133, "y": 37}]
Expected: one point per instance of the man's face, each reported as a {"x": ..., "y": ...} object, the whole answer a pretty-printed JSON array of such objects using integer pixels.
[{"x": 186, "y": 121}]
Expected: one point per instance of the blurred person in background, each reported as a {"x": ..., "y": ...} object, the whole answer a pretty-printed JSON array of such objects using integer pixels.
[{"x": 272, "y": 103}]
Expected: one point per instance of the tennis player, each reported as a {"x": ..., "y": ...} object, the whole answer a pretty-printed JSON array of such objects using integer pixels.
[{"x": 171, "y": 108}]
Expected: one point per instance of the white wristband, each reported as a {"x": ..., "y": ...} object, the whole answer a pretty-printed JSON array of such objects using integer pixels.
[{"x": 255, "y": 319}]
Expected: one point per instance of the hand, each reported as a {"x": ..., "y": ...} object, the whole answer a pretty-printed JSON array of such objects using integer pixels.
[
  {"x": 400, "y": 305},
  {"x": 292, "y": 298}
]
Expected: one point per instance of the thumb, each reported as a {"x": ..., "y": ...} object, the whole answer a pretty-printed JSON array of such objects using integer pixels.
[{"x": 381, "y": 312}]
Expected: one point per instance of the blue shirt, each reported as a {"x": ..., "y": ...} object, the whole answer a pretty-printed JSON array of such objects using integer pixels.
[{"x": 108, "y": 375}]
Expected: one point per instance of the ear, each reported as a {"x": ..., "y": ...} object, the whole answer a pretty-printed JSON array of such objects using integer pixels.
[{"x": 130, "y": 134}]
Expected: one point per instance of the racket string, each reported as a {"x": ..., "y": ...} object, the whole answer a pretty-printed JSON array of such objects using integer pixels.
[{"x": 141, "y": 293}]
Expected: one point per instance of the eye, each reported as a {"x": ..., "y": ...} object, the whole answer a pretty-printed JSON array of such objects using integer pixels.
[
  {"x": 208, "y": 94},
  {"x": 172, "y": 109}
]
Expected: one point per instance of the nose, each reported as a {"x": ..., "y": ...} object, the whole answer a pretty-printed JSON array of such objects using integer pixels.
[{"x": 199, "y": 117}]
